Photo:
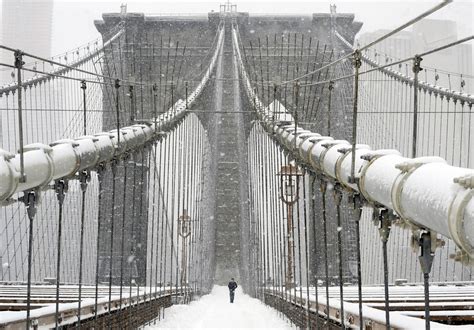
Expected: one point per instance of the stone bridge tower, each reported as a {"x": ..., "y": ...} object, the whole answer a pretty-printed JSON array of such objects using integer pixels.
[{"x": 222, "y": 109}]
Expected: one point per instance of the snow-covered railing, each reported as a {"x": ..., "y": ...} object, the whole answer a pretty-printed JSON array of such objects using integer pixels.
[
  {"x": 372, "y": 316},
  {"x": 426, "y": 192},
  {"x": 64, "y": 158},
  {"x": 44, "y": 317}
]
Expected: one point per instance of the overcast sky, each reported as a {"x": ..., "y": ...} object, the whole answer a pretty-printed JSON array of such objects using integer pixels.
[{"x": 73, "y": 20}]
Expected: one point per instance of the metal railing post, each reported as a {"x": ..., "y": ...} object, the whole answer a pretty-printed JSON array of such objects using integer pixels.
[
  {"x": 84, "y": 87},
  {"x": 416, "y": 69},
  {"x": 19, "y": 65},
  {"x": 357, "y": 62}
]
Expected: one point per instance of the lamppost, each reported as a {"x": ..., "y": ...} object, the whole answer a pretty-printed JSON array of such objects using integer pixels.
[
  {"x": 184, "y": 225},
  {"x": 289, "y": 176}
]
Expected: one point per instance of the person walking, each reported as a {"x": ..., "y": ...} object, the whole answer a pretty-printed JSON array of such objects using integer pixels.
[{"x": 232, "y": 286}]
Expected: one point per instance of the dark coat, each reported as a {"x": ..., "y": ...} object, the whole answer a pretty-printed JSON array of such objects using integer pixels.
[{"x": 232, "y": 285}]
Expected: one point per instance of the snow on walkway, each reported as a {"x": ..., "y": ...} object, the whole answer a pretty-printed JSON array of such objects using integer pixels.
[{"x": 215, "y": 311}]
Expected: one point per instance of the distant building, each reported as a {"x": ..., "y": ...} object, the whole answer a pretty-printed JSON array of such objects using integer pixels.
[
  {"x": 26, "y": 25},
  {"x": 425, "y": 35}
]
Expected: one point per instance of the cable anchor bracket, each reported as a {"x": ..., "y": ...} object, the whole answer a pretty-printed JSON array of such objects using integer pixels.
[
  {"x": 18, "y": 59},
  {"x": 357, "y": 59},
  {"x": 417, "y": 64},
  {"x": 428, "y": 242}
]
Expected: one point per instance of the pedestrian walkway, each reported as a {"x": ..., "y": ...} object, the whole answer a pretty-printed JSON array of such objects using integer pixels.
[{"x": 215, "y": 311}]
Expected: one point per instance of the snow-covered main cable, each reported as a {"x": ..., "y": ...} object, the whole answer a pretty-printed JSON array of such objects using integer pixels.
[
  {"x": 425, "y": 191},
  {"x": 62, "y": 159}
]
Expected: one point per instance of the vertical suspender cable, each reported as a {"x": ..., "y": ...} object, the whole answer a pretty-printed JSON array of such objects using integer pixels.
[
  {"x": 338, "y": 197},
  {"x": 161, "y": 211},
  {"x": 132, "y": 264},
  {"x": 149, "y": 149},
  {"x": 275, "y": 220},
  {"x": 30, "y": 201},
  {"x": 281, "y": 234},
  {"x": 84, "y": 87},
  {"x": 267, "y": 213},
  {"x": 167, "y": 176},
  {"x": 180, "y": 209},
  {"x": 298, "y": 219},
  {"x": 157, "y": 167},
  {"x": 152, "y": 252},
  {"x": 140, "y": 227},
  {"x": 384, "y": 233},
  {"x": 189, "y": 205},
  {"x": 357, "y": 63},
  {"x": 19, "y": 65},
  {"x": 316, "y": 263},
  {"x": 416, "y": 69},
  {"x": 330, "y": 88},
  {"x": 83, "y": 178},
  {"x": 251, "y": 205},
  {"x": 358, "y": 207},
  {"x": 203, "y": 147},
  {"x": 292, "y": 231},
  {"x": 325, "y": 242},
  {"x": 284, "y": 233},
  {"x": 274, "y": 253},
  {"x": 59, "y": 187},
  {"x": 259, "y": 216},
  {"x": 175, "y": 190},
  {"x": 305, "y": 228},
  {"x": 117, "y": 109},
  {"x": 112, "y": 220},
  {"x": 180, "y": 192},
  {"x": 100, "y": 177},
  {"x": 122, "y": 239},
  {"x": 426, "y": 262}
]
